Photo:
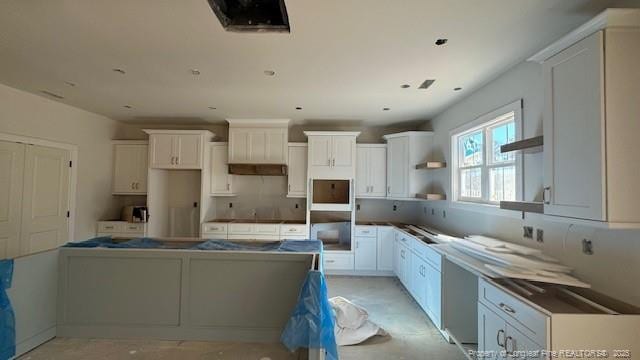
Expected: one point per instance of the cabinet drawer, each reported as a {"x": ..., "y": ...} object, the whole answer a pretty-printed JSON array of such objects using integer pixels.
[
  {"x": 110, "y": 226},
  {"x": 337, "y": 261},
  {"x": 288, "y": 229},
  {"x": 266, "y": 229},
  {"x": 240, "y": 228},
  {"x": 403, "y": 238},
  {"x": 366, "y": 231},
  {"x": 133, "y": 227},
  {"x": 526, "y": 319},
  {"x": 215, "y": 228}
]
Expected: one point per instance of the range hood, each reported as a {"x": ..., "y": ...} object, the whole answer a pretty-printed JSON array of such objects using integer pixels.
[{"x": 258, "y": 169}]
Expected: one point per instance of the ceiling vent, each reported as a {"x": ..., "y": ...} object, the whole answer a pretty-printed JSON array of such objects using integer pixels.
[
  {"x": 426, "y": 84},
  {"x": 251, "y": 15}
]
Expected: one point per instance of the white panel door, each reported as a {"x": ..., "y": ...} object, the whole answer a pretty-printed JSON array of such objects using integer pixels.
[
  {"x": 297, "y": 171},
  {"x": 365, "y": 253},
  {"x": 221, "y": 180},
  {"x": 343, "y": 153},
  {"x": 491, "y": 333},
  {"x": 378, "y": 172},
  {"x": 574, "y": 132},
  {"x": 385, "y": 242},
  {"x": 45, "y": 224},
  {"x": 11, "y": 180},
  {"x": 162, "y": 152},
  {"x": 130, "y": 169},
  {"x": 397, "y": 170},
  {"x": 276, "y": 146},
  {"x": 362, "y": 171},
  {"x": 188, "y": 151}
]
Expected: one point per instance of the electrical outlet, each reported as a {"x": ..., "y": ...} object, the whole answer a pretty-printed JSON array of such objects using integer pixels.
[
  {"x": 424, "y": 210},
  {"x": 230, "y": 204},
  {"x": 540, "y": 235},
  {"x": 395, "y": 207},
  {"x": 433, "y": 211},
  {"x": 444, "y": 214},
  {"x": 297, "y": 206},
  {"x": 358, "y": 207},
  {"x": 587, "y": 247},
  {"x": 527, "y": 232}
]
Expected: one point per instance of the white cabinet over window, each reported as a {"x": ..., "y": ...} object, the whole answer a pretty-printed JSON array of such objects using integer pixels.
[
  {"x": 297, "y": 170},
  {"x": 221, "y": 180},
  {"x": 177, "y": 149},
  {"x": 258, "y": 141},
  {"x": 332, "y": 154},
  {"x": 371, "y": 170},
  {"x": 130, "y": 167},
  {"x": 592, "y": 87},
  {"x": 404, "y": 151}
]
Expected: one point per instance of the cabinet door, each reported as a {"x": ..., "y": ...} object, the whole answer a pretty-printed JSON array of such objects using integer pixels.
[
  {"x": 396, "y": 255},
  {"x": 162, "y": 152},
  {"x": 433, "y": 294},
  {"x": 221, "y": 180},
  {"x": 362, "y": 171},
  {"x": 574, "y": 131},
  {"x": 343, "y": 155},
  {"x": 385, "y": 242},
  {"x": 126, "y": 168},
  {"x": 406, "y": 267},
  {"x": 276, "y": 146},
  {"x": 189, "y": 151},
  {"x": 397, "y": 167},
  {"x": 365, "y": 253},
  {"x": 297, "y": 172},
  {"x": 377, "y": 172},
  {"x": 519, "y": 346},
  {"x": 239, "y": 145},
  {"x": 491, "y": 334},
  {"x": 11, "y": 183},
  {"x": 319, "y": 154},
  {"x": 418, "y": 283},
  {"x": 143, "y": 169}
]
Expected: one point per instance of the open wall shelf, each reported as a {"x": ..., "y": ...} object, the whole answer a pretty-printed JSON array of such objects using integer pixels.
[
  {"x": 432, "y": 165},
  {"x": 524, "y": 144},
  {"x": 531, "y": 207},
  {"x": 431, "y": 196}
]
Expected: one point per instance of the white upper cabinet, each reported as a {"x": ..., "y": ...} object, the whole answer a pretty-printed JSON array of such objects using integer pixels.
[
  {"x": 591, "y": 171},
  {"x": 332, "y": 154},
  {"x": 177, "y": 149},
  {"x": 255, "y": 141},
  {"x": 404, "y": 151},
  {"x": 371, "y": 170},
  {"x": 130, "y": 167},
  {"x": 221, "y": 180},
  {"x": 297, "y": 170}
]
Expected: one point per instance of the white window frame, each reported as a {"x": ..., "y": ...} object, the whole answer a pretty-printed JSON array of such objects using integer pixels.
[{"x": 485, "y": 121}]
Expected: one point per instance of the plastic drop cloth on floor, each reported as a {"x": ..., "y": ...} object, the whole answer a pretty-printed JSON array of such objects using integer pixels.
[
  {"x": 352, "y": 323},
  {"x": 311, "y": 324},
  {"x": 7, "y": 316}
]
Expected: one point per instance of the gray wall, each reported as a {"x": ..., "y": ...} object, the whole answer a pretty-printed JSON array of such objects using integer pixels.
[{"x": 615, "y": 264}]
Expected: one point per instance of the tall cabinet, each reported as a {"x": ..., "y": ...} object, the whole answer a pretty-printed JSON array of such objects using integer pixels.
[
  {"x": 592, "y": 87},
  {"x": 371, "y": 170},
  {"x": 297, "y": 170},
  {"x": 221, "y": 180},
  {"x": 405, "y": 150}
]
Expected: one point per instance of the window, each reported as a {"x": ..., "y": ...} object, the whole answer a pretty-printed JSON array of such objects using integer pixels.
[{"x": 481, "y": 173}]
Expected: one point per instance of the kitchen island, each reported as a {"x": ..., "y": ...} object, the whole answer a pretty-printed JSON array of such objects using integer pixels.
[{"x": 182, "y": 290}]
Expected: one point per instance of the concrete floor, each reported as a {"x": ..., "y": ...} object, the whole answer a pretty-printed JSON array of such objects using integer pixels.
[{"x": 411, "y": 334}]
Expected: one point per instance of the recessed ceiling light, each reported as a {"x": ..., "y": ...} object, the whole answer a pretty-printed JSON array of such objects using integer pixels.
[
  {"x": 269, "y": 72},
  {"x": 404, "y": 86},
  {"x": 119, "y": 71},
  {"x": 298, "y": 107},
  {"x": 72, "y": 84},
  {"x": 195, "y": 72},
  {"x": 457, "y": 89},
  {"x": 441, "y": 42},
  {"x": 128, "y": 107},
  {"x": 426, "y": 84},
  {"x": 386, "y": 109}
]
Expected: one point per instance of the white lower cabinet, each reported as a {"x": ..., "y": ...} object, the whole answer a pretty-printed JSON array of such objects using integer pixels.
[
  {"x": 337, "y": 261},
  {"x": 214, "y": 231},
  {"x": 385, "y": 239},
  {"x": 365, "y": 253},
  {"x": 121, "y": 229},
  {"x": 433, "y": 294},
  {"x": 498, "y": 339}
]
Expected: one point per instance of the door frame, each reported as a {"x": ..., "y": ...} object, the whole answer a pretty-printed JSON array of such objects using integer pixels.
[{"x": 73, "y": 174}]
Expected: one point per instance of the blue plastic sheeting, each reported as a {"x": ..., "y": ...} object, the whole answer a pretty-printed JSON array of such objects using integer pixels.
[
  {"x": 282, "y": 246},
  {"x": 7, "y": 316},
  {"x": 311, "y": 324},
  {"x": 107, "y": 242}
]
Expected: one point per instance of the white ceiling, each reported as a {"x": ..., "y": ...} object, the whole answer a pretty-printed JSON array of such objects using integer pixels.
[{"x": 343, "y": 60}]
